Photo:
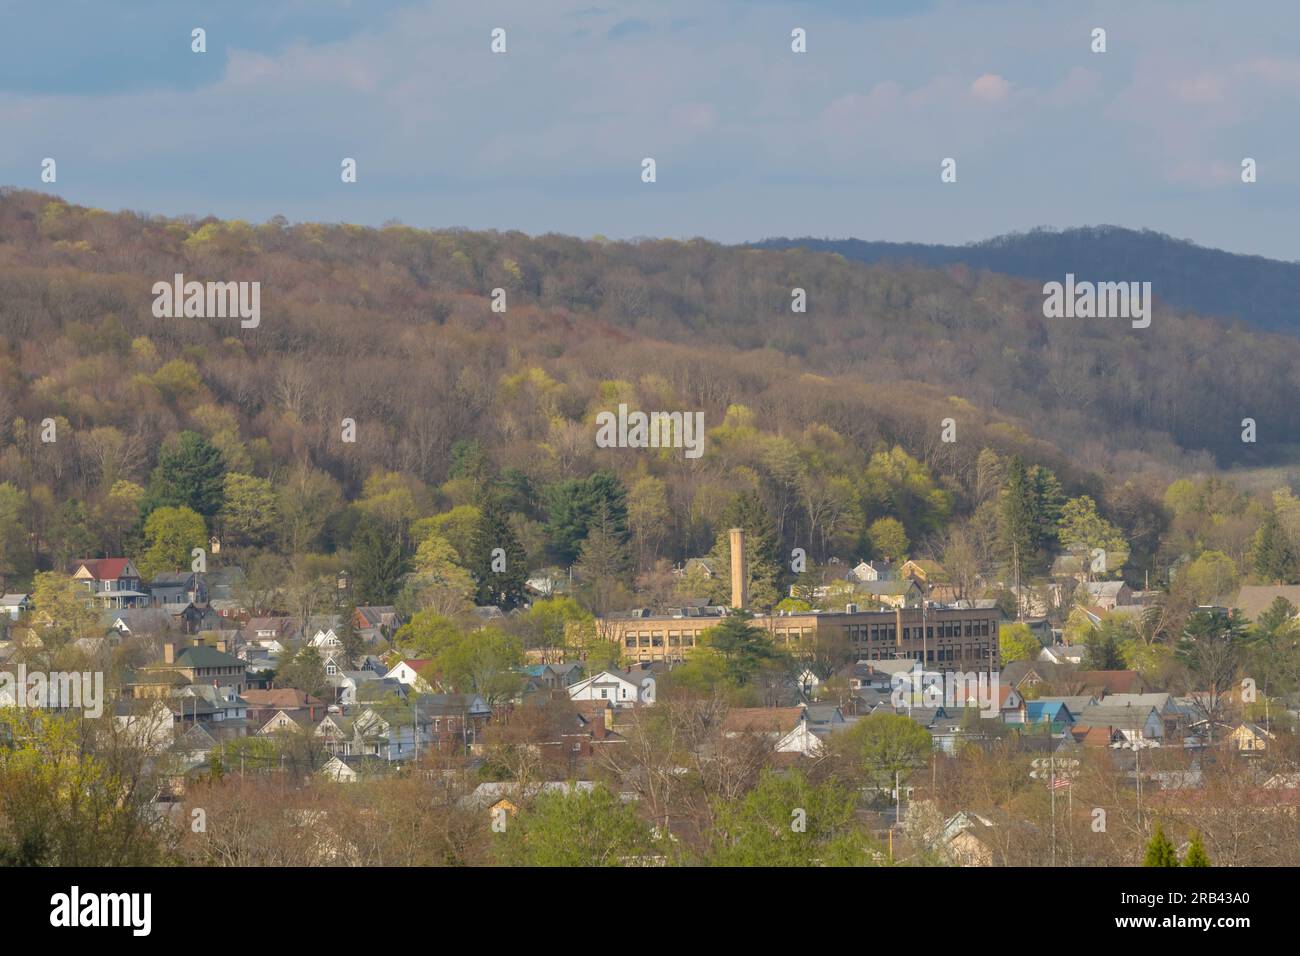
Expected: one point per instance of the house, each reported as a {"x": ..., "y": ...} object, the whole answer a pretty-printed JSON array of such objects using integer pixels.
[
  {"x": 193, "y": 618},
  {"x": 619, "y": 688},
  {"x": 453, "y": 720},
  {"x": 825, "y": 719},
  {"x": 1109, "y": 595},
  {"x": 697, "y": 567},
  {"x": 1052, "y": 713},
  {"x": 1250, "y": 738},
  {"x": 895, "y": 593},
  {"x": 1176, "y": 717},
  {"x": 349, "y": 768},
  {"x": 1132, "y": 722},
  {"x": 326, "y": 639},
  {"x": 408, "y": 671},
  {"x": 944, "y": 727},
  {"x": 966, "y": 839},
  {"x": 548, "y": 582},
  {"x": 202, "y": 664},
  {"x": 1011, "y": 706},
  {"x": 1063, "y": 654},
  {"x": 346, "y": 682},
  {"x": 226, "y": 587},
  {"x": 389, "y": 730},
  {"x": 146, "y": 724},
  {"x": 337, "y": 732},
  {"x": 227, "y": 710},
  {"x": 381, "y": 618},
  {"x": 266, "y": 631},
  {"x": 178, "y": 588},
  {"x": 15, "y": 605},
  {"x": 284, "y": 722},
  {"x": 1255, "y": 599},
  {"x": 865, "y": 571},
  {"x": 924, "y": 572},
  {"x": 112, "y": 582},
  {"x": 1102, "y": 683},
  {"x": 507, "y": 795},
  {"x": 265, "y": 704},
  {"x": 786, "y": 727},
  {"x": 139, "y": 621},
  {"x": 545, "y": 677},
  {"x": 193, "y": 747}
]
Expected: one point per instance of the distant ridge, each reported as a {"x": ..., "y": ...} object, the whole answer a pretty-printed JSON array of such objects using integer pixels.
[{"x": 1263, "y": 293}]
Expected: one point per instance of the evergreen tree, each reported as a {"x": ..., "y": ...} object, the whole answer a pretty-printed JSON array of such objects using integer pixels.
[
  {"x": 1017, "y": 519},
  {"x": 1196, "y": 855},
  {"x": 1049, "y": 501},
  {"x": 353, "y": 646},
  {"x": 744, "y": 647},
  {"x": 1160, "y": 852},
  {"x": 190, "y": 473},
  {"x": 571, "y": 505},
  {"x": 1274, "y": 555},
  {"x": 603, "y": 565},
  {"x": 498, "y": 579},
  {"x": 377, "y": 563}
]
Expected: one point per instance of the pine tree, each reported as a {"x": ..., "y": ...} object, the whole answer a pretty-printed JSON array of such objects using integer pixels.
[
  {"x": 347, "y": 632},
  {"x": 1017, "y": 519},
  {"x": 499, "y": 574},
  {"x": 1274, "y": 556},
  {"x": 377, "y": 563},
  {"x": 1196, "y": 855},
  {"x": 1049, "y": 501},
  {"x": 603, "y": 563},
  {"x": 1160, "y": 852}
]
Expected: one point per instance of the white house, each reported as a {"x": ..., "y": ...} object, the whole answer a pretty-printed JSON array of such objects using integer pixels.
[
  {"x": 326, "y": 639},
  {"x": 786, "y": 727},
  {"x": 619, "y": 689},
  {"x": 14, "y": 605},
  {"x": 408, "y": 672}
]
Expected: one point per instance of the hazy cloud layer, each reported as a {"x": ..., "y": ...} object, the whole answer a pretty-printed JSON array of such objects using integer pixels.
[{"x": 751, "y": 140}]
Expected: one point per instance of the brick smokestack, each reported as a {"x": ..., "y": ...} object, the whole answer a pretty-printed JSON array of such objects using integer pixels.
[{"x": 739, "y": 570}]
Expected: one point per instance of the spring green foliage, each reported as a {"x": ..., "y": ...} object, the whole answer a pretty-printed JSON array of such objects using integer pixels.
[
  {"x": 1016, "y": 642},
  {"x": 787, "y": 821},
  {"x": 578, "y": 828}
]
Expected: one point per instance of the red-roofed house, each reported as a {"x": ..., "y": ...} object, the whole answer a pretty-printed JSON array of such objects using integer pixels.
[{"x": 113, "y": 582}]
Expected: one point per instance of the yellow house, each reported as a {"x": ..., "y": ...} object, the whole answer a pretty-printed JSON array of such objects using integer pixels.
[{"x": 1251, "y": 738}]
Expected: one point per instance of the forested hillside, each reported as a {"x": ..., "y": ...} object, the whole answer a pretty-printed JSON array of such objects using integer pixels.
[
  {"x": 1261, "y": 292},
  {"x": 830, "y": 420}
]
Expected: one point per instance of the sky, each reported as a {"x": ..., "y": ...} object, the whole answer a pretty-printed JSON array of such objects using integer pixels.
[{"x": 750, "y": 139}]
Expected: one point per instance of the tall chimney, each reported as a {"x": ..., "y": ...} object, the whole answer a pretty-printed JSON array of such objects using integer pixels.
[
  {"x": 169, "y": 653},
  {"x": 739, "y": 570}
]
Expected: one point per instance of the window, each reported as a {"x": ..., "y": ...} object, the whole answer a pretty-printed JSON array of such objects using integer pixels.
[
  {"x": 630, "y": 641},
  {"x": 604, "y": 694}
]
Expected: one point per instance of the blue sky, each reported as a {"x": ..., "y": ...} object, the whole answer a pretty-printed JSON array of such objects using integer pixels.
[{"x": 750, "y": 139}]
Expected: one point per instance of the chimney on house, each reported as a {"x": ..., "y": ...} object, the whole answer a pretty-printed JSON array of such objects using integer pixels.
[
  {"x": 739, "y": 570},
  {"x": 169, "y": 653},
  {"x": 598, "y": 725}
]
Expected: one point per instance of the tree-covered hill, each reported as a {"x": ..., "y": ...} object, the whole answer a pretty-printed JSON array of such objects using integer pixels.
[
  {"x": 832, "y": 417},
  {"x": 1260, "y": 292}
]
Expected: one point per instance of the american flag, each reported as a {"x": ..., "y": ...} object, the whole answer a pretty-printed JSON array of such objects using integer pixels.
[{"x": 1059, "y": 782}]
